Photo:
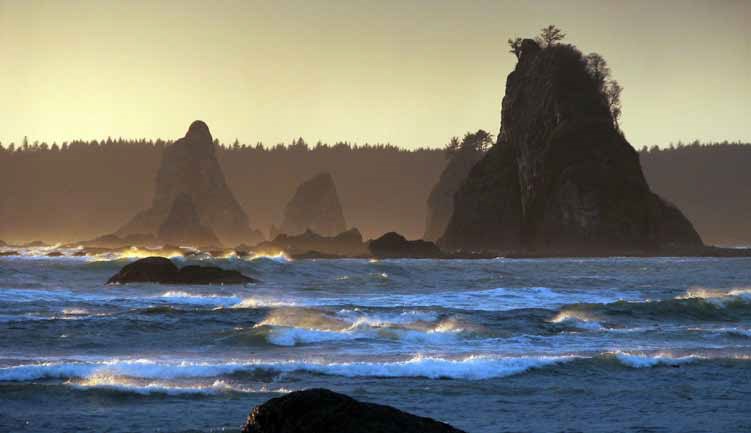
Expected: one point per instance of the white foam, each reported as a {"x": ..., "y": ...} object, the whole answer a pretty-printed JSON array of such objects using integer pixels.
[
  {"x": 181, "y": 297},
  {"x": 160, "y": 387},
  {"x": 637, "y": 360},
  {"x": 717, "y": 296}
]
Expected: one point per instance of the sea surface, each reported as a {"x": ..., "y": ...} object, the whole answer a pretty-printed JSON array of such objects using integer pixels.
[{"x": 502, "y": 345}]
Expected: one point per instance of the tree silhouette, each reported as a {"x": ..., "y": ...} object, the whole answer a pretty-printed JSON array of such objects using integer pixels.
[
  {"x": 598, "y": 69},
  {"x": 516, "y": 46},
  {"x": 549, "y": 36}
]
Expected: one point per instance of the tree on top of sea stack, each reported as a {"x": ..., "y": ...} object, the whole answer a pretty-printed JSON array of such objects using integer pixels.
[{"x": 561, "y": 177}]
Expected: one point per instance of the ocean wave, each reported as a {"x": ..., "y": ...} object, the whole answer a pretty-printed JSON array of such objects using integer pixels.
[
  {"x": 471, "y": 368},
  {"x": 292, "y": 326},
  {"x": 181, "y": 297},
  {"x": 497, "y": 299},
  {"x": 694, "y": 305},
  {"x": 637, "y": 360},
  {"x": 717, "y": 295},
  {"x": 579, "y": 320},
  {"x": 127, "y": 385}
]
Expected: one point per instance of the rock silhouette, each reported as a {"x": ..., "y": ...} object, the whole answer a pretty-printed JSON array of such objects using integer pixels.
[
  {"x": 164, "y": 271},
  {"x": 183, "y": 226},
  {"x": 189, "y": 166},
  {"x": 561, "y": 177},
  {"x": 394, "y": 245},
  {"x": 348, "y": 243},
  {"x": 324, "y": 411},
  {"x": 441, "y": 199},
  {"x": 315, "y": 206}
]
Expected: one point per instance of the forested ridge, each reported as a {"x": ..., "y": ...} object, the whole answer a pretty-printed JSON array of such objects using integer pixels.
[{"x": 81, "y": 189}]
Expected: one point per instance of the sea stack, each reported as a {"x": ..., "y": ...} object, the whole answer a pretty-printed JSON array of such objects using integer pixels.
[
  {"x": 561, "y": 177},
  {"x": 441, "y": 199},
  {"x": 315, "y": 206},
  {"x": 189, "y": 166},
  {"x": 183, "y": 226}
]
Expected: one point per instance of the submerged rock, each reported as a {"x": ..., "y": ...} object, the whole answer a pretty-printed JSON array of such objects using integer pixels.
[
  {"x": 324, "y": 411},
  {"x": 394, "y": 245},
  {"x": 316, "y": 207},
  {"x": 183, "y": 226},
  {"x": 561, "y": 177},
  {"x": 190, "y": 166},
  {"x": 164, "y": 271}
]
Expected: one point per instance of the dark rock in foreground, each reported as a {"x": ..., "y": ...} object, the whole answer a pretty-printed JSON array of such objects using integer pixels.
[
  {"x": 8, "y": 253},
  {"x": 324, "y": 411},
  {"x": 315, "y": 207},
  {"x": 164, "y": 271},
  {"x": 394, "y": 245},
  {"x": 561, "y": 178}
]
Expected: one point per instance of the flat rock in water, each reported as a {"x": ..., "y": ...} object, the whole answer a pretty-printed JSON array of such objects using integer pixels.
[
  {"x": 162, "y": 270},
  {"x": 324, "y": 411},
  {"x": 394, "y": 245}
]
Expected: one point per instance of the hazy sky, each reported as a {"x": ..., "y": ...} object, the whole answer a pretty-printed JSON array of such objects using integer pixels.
[{"x": 412, "y": 73}]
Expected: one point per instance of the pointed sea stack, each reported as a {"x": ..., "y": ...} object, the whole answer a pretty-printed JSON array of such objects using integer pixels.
[
  {"x": 561, "y": 178},
  {"x": 315, "y": 206},
  {"x": 189, "y": 166}
]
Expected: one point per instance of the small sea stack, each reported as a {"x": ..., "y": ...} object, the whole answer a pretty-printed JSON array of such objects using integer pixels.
[
  {"x": 394, "y": 245},
  {"x": 324, "y": 411},
  {"x": 316, "y": 207}
]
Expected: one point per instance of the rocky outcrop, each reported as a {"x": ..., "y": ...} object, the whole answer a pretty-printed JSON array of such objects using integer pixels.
[
  {"x": 312, "y": 245},
  {"x": 189, "y": 166},
  {"x": 183, "y": 226},
  {"x": 315, "y": 206},
  {"x": 324, "y": 411},
  {"x": 561, "y": 177},
  {"x": 394, "y": 245},
  {"x": 112, "y": 241},
  {"x": 441, "y": 199},
  {"x": 164, "y": 271}
]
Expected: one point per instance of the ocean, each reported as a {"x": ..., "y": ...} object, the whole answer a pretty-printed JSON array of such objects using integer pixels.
[{"x": 500, "y": 345}]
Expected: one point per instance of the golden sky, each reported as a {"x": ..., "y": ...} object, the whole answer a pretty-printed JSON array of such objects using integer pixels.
[{"x": 412, "y": 73}]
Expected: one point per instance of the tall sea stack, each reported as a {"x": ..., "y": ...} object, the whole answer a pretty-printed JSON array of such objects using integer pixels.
[
  {"x": 189, "y": 166},
  {"x": 316, "y": 207},
  {"x": 561, "y": 177}
]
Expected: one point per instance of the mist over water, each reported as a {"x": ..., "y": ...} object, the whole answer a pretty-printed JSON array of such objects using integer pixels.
[{"x": 619, "y": 344}]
